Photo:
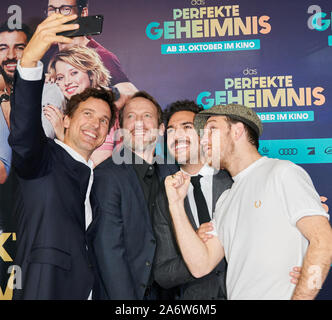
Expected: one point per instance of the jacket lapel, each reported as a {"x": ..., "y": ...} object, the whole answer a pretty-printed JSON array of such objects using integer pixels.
[{"x": 77, "y": 171}]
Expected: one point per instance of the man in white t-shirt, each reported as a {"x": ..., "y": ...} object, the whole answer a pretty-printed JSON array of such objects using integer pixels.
[{"x": 270, "y": 220}]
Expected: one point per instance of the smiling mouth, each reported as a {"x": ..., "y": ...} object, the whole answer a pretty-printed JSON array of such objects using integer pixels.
[
  {"x": 71, "y": 90},
  {"x": 138, "y": 133},
  {"x": 181, "y": 146},
  {"x": 90, "y": 134},
  {"x": 11, "y": 66}
]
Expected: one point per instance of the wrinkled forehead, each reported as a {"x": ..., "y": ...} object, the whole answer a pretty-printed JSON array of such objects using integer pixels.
[
  {"x": 96, "y": 106},
  {"x": 180, "y": 118},
  {"x": 59, "y": 3},
  {"x": 139, "y": 106},
  {"x": 13, "y": 37},
  {"x": 215, "y": 120}
]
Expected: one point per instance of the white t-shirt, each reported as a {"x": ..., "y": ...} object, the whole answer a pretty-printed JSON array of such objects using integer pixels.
[{"x": 255, "y": 221}]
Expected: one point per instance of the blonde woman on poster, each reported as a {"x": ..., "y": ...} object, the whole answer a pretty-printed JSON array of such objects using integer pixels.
[{"x": 70, "y": 72}]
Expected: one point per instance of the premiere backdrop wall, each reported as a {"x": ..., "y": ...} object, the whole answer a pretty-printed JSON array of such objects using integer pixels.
[{"x": 274, "y": 56}]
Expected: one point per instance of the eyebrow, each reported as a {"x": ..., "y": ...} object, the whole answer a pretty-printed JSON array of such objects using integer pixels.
[
  {"x": 93, "y": 110},
  {"x": 181, "y": 124},
  {"x": 209, "y": 121},
  {"x": 15, "y": 45}
]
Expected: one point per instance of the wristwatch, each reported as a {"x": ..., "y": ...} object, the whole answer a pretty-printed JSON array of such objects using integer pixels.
[{"x": 4, "y": 97}]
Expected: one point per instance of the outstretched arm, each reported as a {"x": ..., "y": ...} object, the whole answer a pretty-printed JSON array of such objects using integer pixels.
[
  {"x": 169, "y": 268},
  {"x": 318, "y": 258},
  {"x": 27, "y": 137},
  {"x": 201, "y": 258}
]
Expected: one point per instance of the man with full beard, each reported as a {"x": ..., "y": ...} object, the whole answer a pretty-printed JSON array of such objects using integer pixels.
[
  {"x": 12, "y": 44},
  {"x": 207, "y": 184}
]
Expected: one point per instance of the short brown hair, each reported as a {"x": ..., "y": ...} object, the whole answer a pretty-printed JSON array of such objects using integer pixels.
[
  {"x": 251, "y": 133},
  {"x": 98, "y": 93},
  {"x": 145, "y": 95}
]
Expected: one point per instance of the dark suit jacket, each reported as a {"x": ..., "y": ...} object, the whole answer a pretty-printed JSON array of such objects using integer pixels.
[
  {"x": 121, "y": 232},
  {"x": 51, "y": 224},
  {"x": 170, "y": 269}
]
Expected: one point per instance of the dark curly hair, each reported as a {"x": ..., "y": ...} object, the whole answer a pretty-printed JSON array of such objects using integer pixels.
[{"x": 181, "y": 105}]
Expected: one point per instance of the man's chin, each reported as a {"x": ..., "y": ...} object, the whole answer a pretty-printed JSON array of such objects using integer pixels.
[
  {"x": 9, "y": 78},
  {"x": 214, "y": 164}
]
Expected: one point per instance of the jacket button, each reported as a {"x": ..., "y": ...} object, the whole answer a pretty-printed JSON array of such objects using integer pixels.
[
  {"x": 218, "y": 273},
  {"x": 143, "y": 286},
  {"x": 148, "y": 263}
]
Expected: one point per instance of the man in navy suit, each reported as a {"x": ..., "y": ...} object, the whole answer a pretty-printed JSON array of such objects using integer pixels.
[
  {"x": 123, "y": 199},
  {"x": 55, "y": 177}
]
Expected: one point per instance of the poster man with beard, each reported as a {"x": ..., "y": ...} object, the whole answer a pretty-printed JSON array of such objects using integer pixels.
[{"x": 12, "y": 44}]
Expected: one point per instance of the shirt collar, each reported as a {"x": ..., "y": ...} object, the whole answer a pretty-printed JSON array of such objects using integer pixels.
[
  {"x": 141, "y": 166},
  {"x": 74, "y": 154},
  {"x": 206, "y": 170}
]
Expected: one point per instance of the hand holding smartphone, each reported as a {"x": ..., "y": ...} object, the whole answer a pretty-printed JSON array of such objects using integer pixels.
[{"x": 91, "y": 25}]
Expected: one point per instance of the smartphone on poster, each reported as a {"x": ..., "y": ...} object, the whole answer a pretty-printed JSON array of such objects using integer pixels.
[{"x": 90, "y": 25}]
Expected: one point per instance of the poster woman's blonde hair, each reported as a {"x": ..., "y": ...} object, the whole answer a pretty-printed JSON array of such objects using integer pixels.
[{"x": 86, "y": 60}]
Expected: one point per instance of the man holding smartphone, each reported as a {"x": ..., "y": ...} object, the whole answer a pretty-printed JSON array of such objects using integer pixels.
[
  {"x": 110, "y": 60},
  {"x": 55, "y": 176}
]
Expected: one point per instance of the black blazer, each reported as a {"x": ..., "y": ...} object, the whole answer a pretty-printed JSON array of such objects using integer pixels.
[
  {"x": 170, "y": 269},
  {"x": 51, "y": 224},
  {"x": 121, "y": 232}
]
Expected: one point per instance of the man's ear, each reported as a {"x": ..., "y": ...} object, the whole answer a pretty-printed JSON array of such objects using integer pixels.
[
  {"x": 238, "y": 130},
  {"x": 162, "y": 129},
  {"x": 85, "y": 12},
  {"x": 66, "y": 122}
]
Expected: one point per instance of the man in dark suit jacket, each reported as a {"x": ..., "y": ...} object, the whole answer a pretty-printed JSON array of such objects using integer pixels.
[
  {"x": 123, "y": 197},
  {"x": 54, "y": 177},
  {"x": 170, "y": 269}
]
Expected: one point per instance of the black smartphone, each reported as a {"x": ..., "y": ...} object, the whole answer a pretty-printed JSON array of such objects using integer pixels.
[{"x": 90, "y": 25}]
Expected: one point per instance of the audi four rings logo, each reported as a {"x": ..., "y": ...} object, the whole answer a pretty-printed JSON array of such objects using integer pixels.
[{"x": 288, "y": 152}]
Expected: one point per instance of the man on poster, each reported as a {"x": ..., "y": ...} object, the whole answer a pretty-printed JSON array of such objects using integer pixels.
[
  {"x": 110, "y": 60},
  {"x": 12, "y": 44}
]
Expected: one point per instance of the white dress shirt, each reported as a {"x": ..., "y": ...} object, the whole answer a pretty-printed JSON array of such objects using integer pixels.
[{"x": 206, "y": 181}]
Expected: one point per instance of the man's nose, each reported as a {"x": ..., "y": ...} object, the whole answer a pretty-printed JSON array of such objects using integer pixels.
[
  {"x": 139, "y": 124},
  {"x": 11, "y": 54},
  {"x": 95, "y": 122},
  {"x": 180, "y": 134},
  {"x": 204, "y": 137}
]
